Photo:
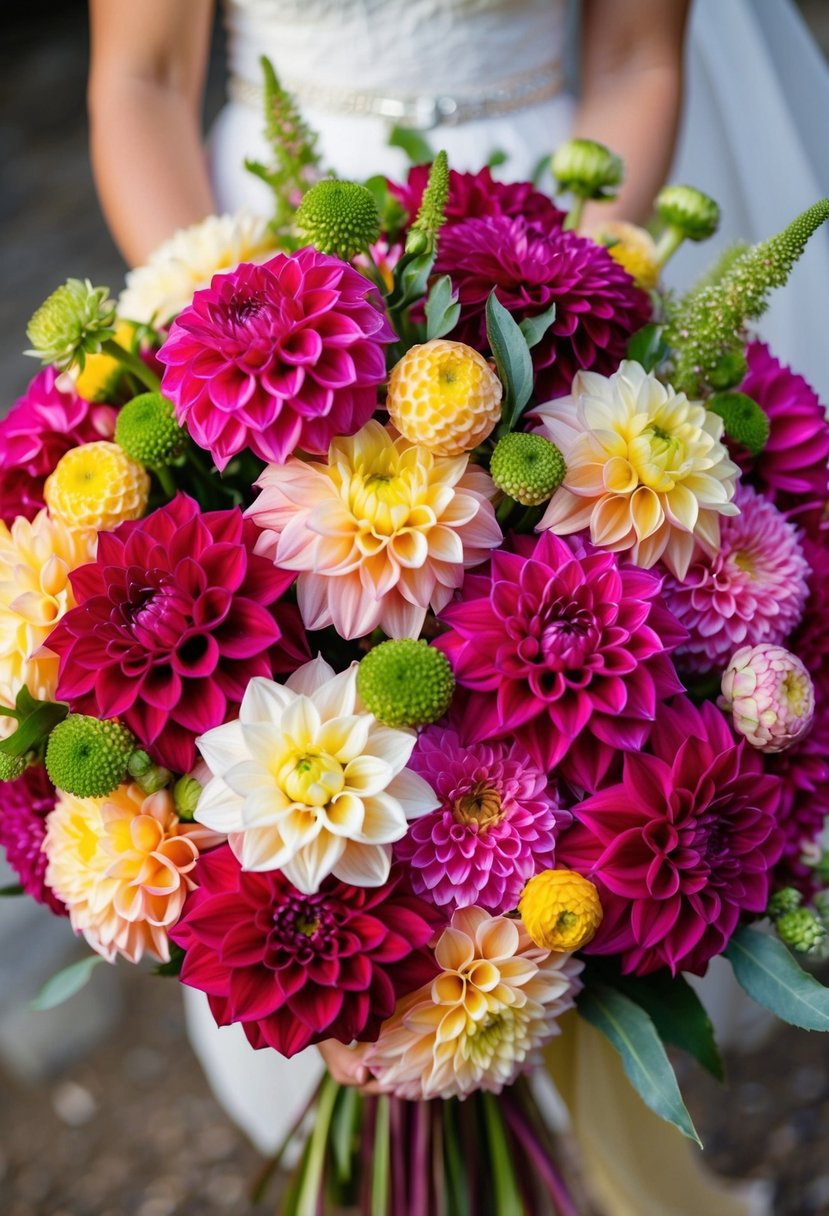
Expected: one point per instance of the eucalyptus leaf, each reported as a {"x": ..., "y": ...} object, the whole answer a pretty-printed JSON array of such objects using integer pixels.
[
  {"x": 14, "y": 889},
  {"x": 534, "y": 328},
  {"x": 411, "y": 276},
  {"x": 678, "y": 1015},
  {"x": 64, "y": 984},
  {"x": 648, "y": 347},
  {"x": 512, "y": 358},
  {"x": 633, "y": 1034},
  {"x": 413, "y": 143},
  {"x": 771, "y": 976},
  {"x": 442, "y": 308}
]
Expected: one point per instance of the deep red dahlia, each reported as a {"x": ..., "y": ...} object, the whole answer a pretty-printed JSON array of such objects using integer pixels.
[
  {"x": 803, "y": 771},
  {"x": 277, "y": 357},
  {"x": 473, "y": 195},
  {"x": 681, "y": 847},
  {"x": 563, "y": 648},
  {"x": 295, "y": 969},
  {"x": 173, "y": 619},
  {"x": 24, "y": 805},
  {"x": 598, "y": 306},
  {"x": 41, "y": 425}
]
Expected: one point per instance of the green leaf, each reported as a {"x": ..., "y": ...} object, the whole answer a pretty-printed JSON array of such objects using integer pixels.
[
  {"x": 442, "y": 308},
  {"x": 772, "y": 977},
  {"x": 634, "y": 1036},
  {"x": 648, "y": 347},
  {"x": 540, "y": 168},
  {"x": 59, "y": 987},
  {"x": 392, "y": 213},
  {"x": 14, "y": 889},
  {"x": 173, "y": 967},
  {"x": 534, "y": 328},
  {"x": 37, "y": 719},
  {"x": 416, "y": 147},
  {"x": 512, "y": 358},
  {"x": 497, "y": 158},
  {"x": 678, "y": 1015},
  {"x": 411, "y": 275}
]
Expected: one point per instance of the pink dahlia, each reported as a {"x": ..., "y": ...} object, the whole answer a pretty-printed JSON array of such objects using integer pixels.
[
  {"x": 277, "y": 356},
  {"x": 793, "y": 467},
  {"x": 496, "y": 826},
  {"x": 43, "y": 424},
  {"x": 173, "y": 619},
  {"x": 598, "y": 306},
  {"x": 803, "y": 771},
  {"x": 752, "y": 590},
  {"x": 560, "y": 641},
  {"x": 475, "y": 195},
  {"x": 811, "y": 641},
  {"x": 295, "y": 969},
  {"x": 24, "y": 805},
  {"x": 682, "y": 847}
]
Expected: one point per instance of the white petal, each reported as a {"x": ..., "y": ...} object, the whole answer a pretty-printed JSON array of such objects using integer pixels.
[
  {"x": 393, "y": 746},
  {"x": 222, "y": 747},
  {"x": 345, "y": 815},
  {"x": 368, "y": 774},
  {"x": 414, "y": 794},
  {"x": 301, "y": 722},
  {"x": 264, "y": 701},
  {"x": 337, "y": 697},
  {"x": 248, "y": 777},
  {"x": 308, "y": 678},
  {"x": 363, "y": 865},
  {"x": 314, "y": 863},
  {"x": 219, "y": 808},
  {"x": 263, "y": 849},
  {"x": 383, "y": 821},
  {"x": 264, "y": 807},
  {"x": 345, "y": 738}
]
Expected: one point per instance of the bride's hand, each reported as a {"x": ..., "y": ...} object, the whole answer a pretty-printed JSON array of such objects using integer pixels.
[{"x": 347, "y": 1067}]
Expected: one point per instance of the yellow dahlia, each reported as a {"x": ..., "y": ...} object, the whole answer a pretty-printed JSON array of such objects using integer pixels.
[
  {"x": 187, "y": 262},
  {"x": 380, "y": 534},
  {"x": 633, "y": 248},
  {"x": 445, "y": 396},
  {"x": 97, "y": 486},
  {"x": 36, "y": 557},
  {"x": 483, "y": 1019},
  {"x": 560, "y": 910},
  {"x": 646, "y": 468},
  {"x": 123, "y": 866},
  {"x": 101, "y": 372}
]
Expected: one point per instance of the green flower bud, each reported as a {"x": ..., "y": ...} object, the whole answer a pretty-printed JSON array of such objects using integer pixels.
[
  {"x": 11, "y": 767},
  {"x": 801, "y": 930},
  {"x": 431, "y": 214},
  {"x": 745, "y": 422},
  {"x": 527, "y": 467},
  {"x": 339, "y": 218},
  {"x": 88, "y": 756},
  {"x": 72, "y": 323},
  {"x": 787, "y": 899},
  {"x": 405, "y": 683},
  {"x": 149, "y": 775},
  {"x": 587, "y": 169},
  {"x": 146, "y": 429},
  {"x": 694, "y": 215},
  {"x": 729, "y": 370},
  {"x": 186, "y": 794}
]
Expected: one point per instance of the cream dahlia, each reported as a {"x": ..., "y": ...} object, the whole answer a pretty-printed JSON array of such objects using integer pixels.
[
  {"x": 646, "y": 468},
  {"x": 379, "y": 534},
  {"x": 307, "y": 782},
  {"x": 482, "y": 1020}
]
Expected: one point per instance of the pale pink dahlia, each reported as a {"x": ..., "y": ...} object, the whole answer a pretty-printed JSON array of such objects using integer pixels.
[
  {"x": 752, "y": 590},
  {"x": 560, "y": 641},
  {"x": 277, "y": 357},
  {"x": 378, "y": 535},
  {"x": 24, "y": 806},
  {"x": 495, "y": 828},
  {"x": 770, "y": 695},
  {"x": 793, "y": 467},
  {"x": 598, "y": 306},
  {"x": 682, "y": 847},
  {"x": 43, "y": 424}
]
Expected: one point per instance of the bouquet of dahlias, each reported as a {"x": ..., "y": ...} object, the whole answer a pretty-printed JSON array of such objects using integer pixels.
[{"x": 414, "y": 632}]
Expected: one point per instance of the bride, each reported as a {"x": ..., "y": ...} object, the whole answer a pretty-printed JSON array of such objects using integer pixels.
[{"x": 474, "y": 76}]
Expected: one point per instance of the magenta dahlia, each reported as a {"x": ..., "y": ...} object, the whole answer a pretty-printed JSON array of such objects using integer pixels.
[
  {"x": 173, "y": 619},
  {"x": 793, "y": 467},
  {"x": 811, "y": 641},
  {"x": 295, "y": 969},
  {"x": 682, "y": 847},
  {"x": 474, "y": 195},
  {"x": 277, "y": 357},
  {"x": 752, "y": 590},
  {"x": 598, "y": 306},
  {"x": 24, "y": 805},
  {"x": 803, "y": 771},
  {"x": 43, "y": 424},
  {"x": 559, "y": 641},
  {"x": 496, "y": 826}
]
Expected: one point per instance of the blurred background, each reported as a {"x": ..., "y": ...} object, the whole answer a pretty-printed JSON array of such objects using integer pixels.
[{"x": 103, "y": 1110}]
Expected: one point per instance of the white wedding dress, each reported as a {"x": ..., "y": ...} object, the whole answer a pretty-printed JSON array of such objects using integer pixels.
[{"x": 504, "y": 68}]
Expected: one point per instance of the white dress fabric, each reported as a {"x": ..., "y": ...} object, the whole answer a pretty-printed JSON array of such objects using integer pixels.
[{"x": 754, "y": 136}]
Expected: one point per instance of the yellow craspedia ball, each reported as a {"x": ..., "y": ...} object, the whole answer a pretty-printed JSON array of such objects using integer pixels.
[
  {"x": 101, "y": 373},
  {"x": 97, "y": 486},
  {"x": 634, "y": 249},
  {"x": 445, "y": 396},
  {"x": 560, "y": 910}
]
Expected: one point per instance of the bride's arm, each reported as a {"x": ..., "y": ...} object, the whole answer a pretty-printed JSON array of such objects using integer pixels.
[
  {"x": 631, "y": 92},
  {"x": 146, "y": 80}
]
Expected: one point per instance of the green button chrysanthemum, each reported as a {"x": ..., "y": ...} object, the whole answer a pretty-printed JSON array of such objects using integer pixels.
[
  {"x": 527, "y": 467},
  {"x": 87, "y": 756},
  {"x": 339, "y": 218},
  {"x": 744, "y": 421},
  {"x": 11, "y": 766},
  {"x": 75, "y": 321},
  {"x": 405, "y": 683},
  {"x": 147, "y": 430},
  {"x": 801, "y": 930}
]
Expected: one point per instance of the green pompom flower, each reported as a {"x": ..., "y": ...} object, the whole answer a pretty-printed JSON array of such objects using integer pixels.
[
  {"x": 75, "y": 321},
  {"x": 784, "y": 900},
  {"x": 11, "y": 767},
  {"x": 146, "y": 429},
  {"x": 745, "y": 422},
  {"x": 88, "y": 757},
  {"x": 405, "y": 683},
  {"x": 431, "y": 214},
  {"x": 527, "y": 467},
  {"x": 801, "y": 930},
  {"x": 731, "y": 369},
  {"x": 694, "y": 215},
  {"x": 339, "y": 218},
  {"x": 587, "y": 168}
]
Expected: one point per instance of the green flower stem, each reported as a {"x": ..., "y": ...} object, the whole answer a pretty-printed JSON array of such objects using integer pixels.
[
  {"x": 507, "y": 1196},
  {"x": 165, "y": 479},
  {"x": 573, "y": 217},
  {"x": 380, "y": 1164},
  {"x": 132, "y": 363},
  {"x": 504, "y": 509},
  {"x": 667, "y": 245},
  {"x": 309, "y": 1191}
]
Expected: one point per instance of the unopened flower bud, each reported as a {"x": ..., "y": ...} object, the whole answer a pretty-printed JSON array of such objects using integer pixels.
[
  {"x": 72, "y": 323},
  {"x": 770, "y": 695},
  {"x": 801, "y": 930},
  {"x": 783, "y": 901},
  {"x": 694, "y": 215},
  {"x": 587, "y": 169},
  {"x": 186, "y": 794}
]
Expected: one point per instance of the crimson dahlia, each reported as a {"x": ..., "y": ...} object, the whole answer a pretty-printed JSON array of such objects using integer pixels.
[
  {"x": 173, "y": 619},
  {"x": 295, "y": 969},
  {"x": 473, "y": 195},
  {"x": 24, "y": 806}
]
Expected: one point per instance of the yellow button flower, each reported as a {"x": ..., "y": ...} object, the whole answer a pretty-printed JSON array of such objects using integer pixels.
[
  {"x": 560, "y": 910},
  {"x": 97, "y": 486},
  {"x": 101, "y": 372},
  {"x": 445, "y": 396},
  {"x": 634, "y": 249}
]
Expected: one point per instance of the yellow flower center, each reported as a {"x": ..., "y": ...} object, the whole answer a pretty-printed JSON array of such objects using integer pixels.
[
  {"x": 482, "y": 805},
  {"x": 311, "y": 778},
  {"x": 388, "y": 495},
  {"x": 657, "y": 456},
  {"x": 794, "y": 692}
]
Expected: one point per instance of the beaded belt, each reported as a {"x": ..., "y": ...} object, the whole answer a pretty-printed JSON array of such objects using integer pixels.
[{"x": 417, "y": 111}]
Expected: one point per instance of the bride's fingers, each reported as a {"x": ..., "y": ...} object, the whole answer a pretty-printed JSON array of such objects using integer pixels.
[{"x": 346, "y": 1066}]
